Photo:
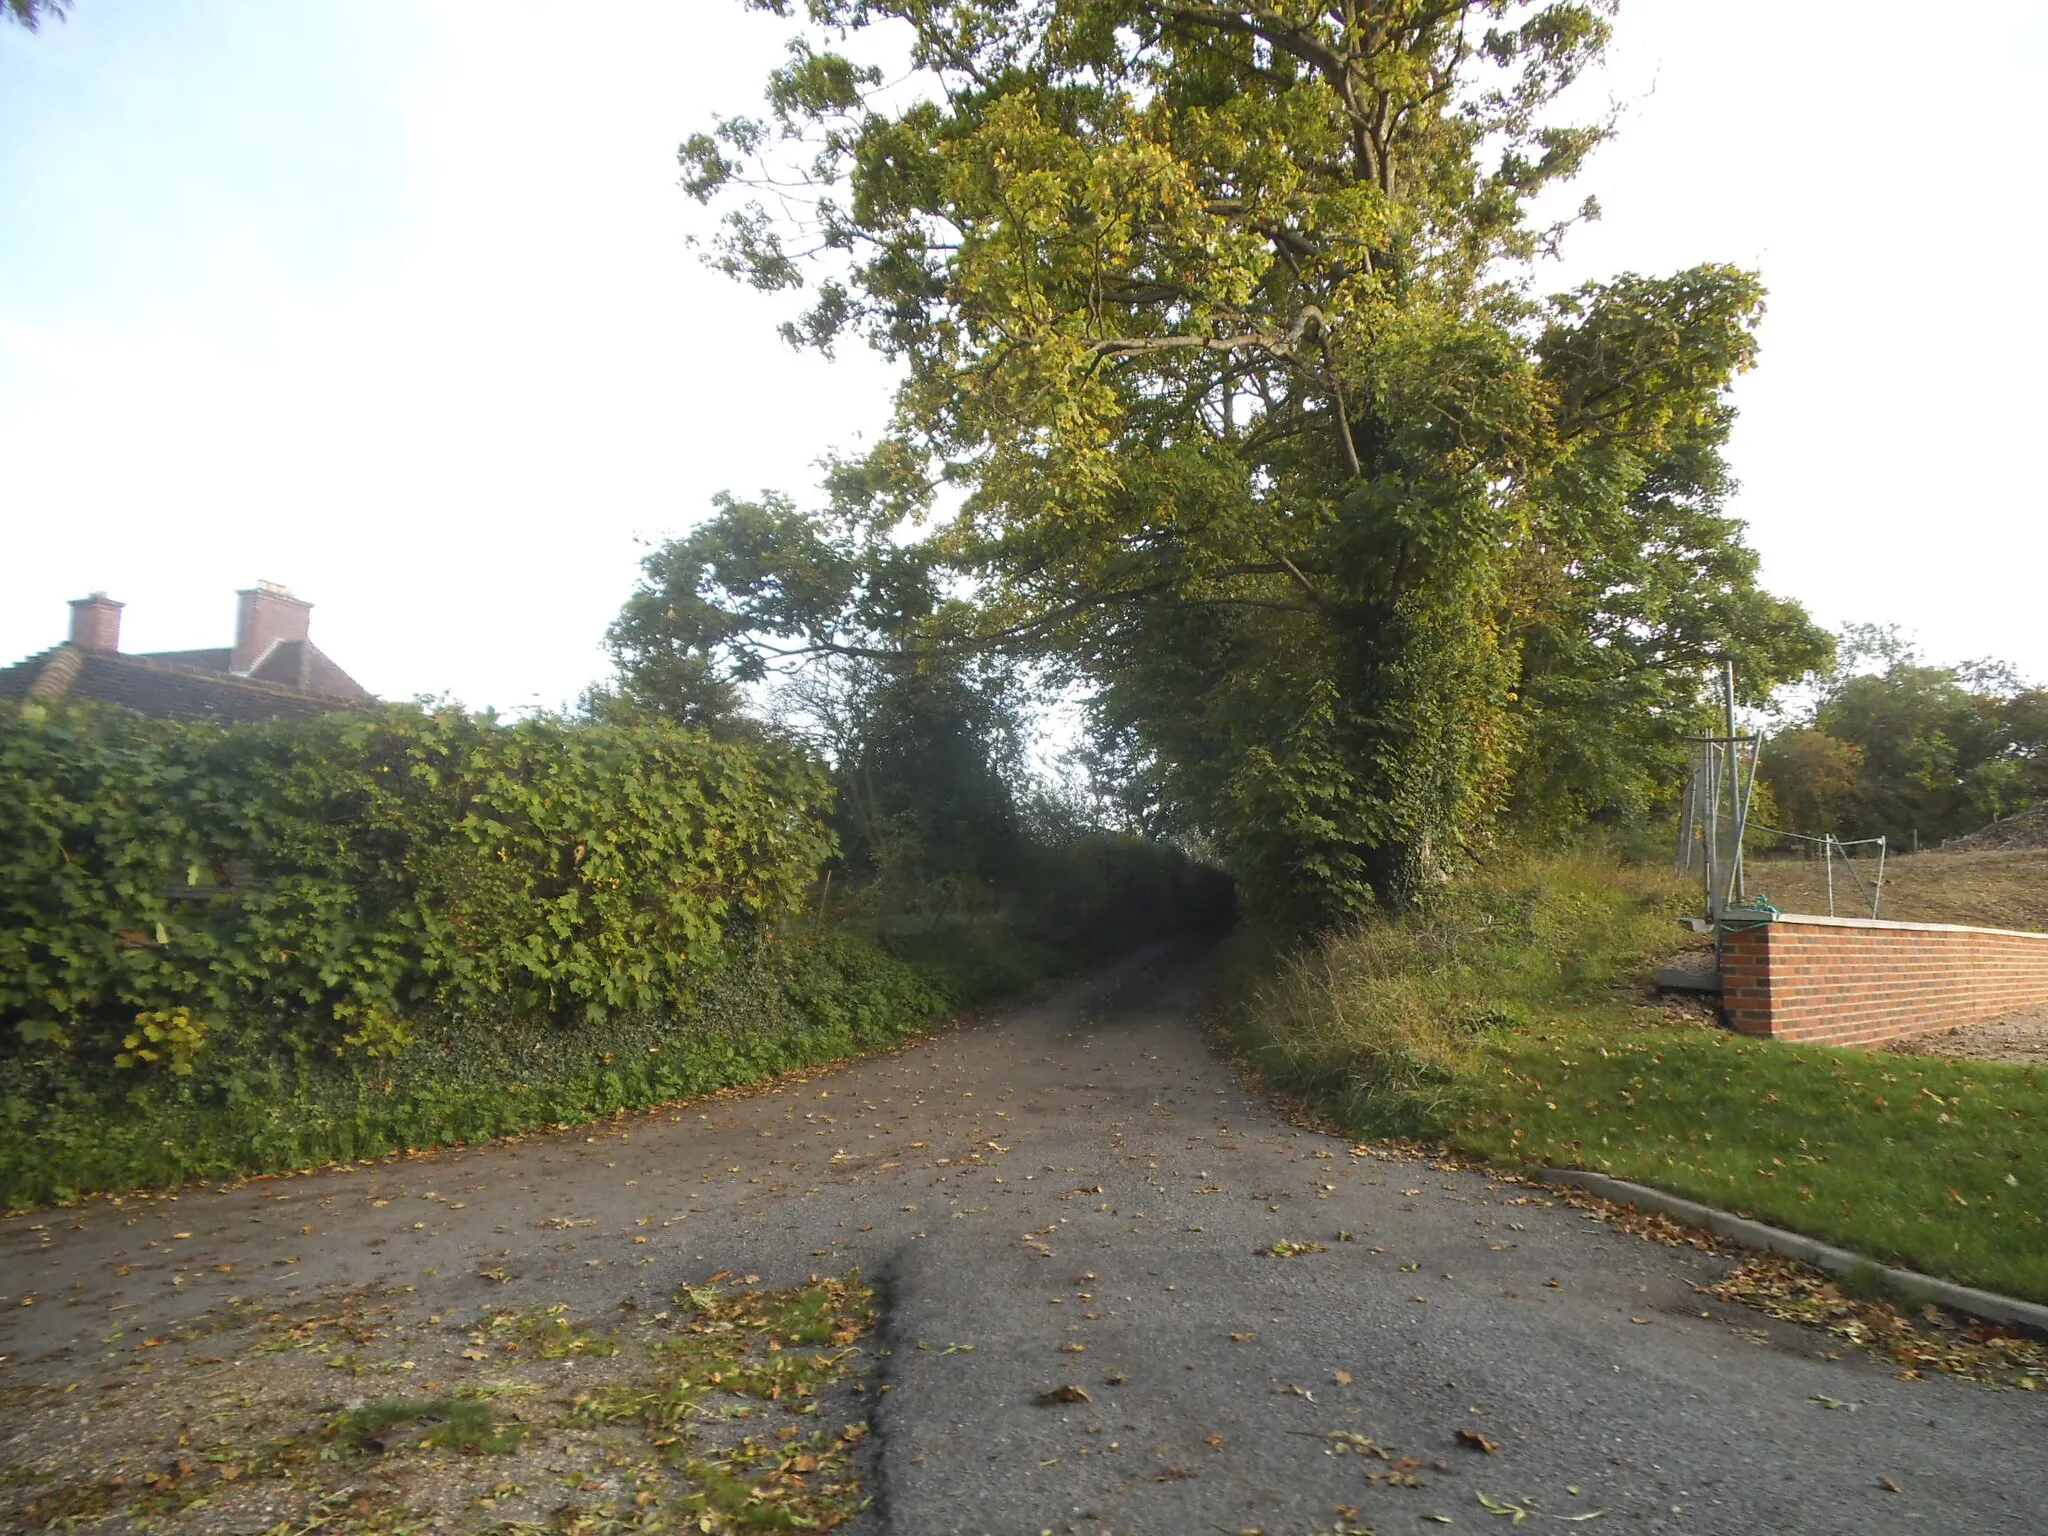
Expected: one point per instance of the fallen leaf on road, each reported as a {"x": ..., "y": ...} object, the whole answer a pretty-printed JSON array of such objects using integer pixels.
[
  {"x": 1889, "y": 1486},
  {"x": 1515, "y": 1513},
  {"x": 1115, "y": 1379},
  {"x": 1172, "y": 1474},
  {"x": 1066, "y": 1394},
  {"x": 1342, "y": 1378},
  {"x": 1473, "y": 1440},
  {"x": 1291, "y": 1390},
  {"x": 1833, "y": 1402},
  {"x": 1242, "y": 1338},
  {"x": 1073, "y": 1349},
  {"x": 1287, "y": 1248}
]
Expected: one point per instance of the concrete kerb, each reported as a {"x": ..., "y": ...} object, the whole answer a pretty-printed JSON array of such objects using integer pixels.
[{"x": 1988, "y": 1305}]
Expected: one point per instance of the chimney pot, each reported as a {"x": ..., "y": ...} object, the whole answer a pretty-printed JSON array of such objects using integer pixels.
[
  {"x": 96, "y": 623},
  {"x": 265, "y": 615}
]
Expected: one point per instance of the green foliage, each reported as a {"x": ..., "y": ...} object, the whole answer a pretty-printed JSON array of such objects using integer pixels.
[
  {"x": 925, "y": 747},
  {"x": 1909, "y": 749},
  {"x": 259, "y": 1101},
  {"x": 544, "y": 1333},
  {"x": 469, "y": 1425},
  {"x": 173, "y": 1037},
  {"x": 1218, "y": 317},
  {"x": 377, "y": 1032},
  {"x": 1810, "y": 776},
  {"x": 359, "y": 868},
  {"x": 1635, "y": 584}
]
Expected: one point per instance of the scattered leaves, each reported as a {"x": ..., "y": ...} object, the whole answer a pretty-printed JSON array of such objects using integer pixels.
[{"x": 1927, "y": 1340}]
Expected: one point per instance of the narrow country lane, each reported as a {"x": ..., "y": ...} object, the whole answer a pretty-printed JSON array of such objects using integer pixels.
[{"x": 1077, "y": 1193}]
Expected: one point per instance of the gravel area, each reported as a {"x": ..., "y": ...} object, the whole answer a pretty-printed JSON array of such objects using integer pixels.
[{"x": 2020, "y": 1037}]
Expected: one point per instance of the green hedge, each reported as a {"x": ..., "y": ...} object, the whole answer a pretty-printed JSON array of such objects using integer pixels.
[
  {"x": 336, "y": 876},
  {"x": 257, "y": 1104},
  {"x": 228, "y": 950}
]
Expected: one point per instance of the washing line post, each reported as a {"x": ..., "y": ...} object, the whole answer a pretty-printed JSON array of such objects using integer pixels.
[
  {"x": 1711, "y": 840},
  {"x": 1735, "y": 891}
]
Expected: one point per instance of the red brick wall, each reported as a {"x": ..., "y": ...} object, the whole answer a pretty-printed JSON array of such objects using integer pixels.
[{"x": 1848, "y": 981}]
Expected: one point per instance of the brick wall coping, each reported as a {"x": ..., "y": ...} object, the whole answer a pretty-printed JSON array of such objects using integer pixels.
[{"x": 1887, "y": 925}]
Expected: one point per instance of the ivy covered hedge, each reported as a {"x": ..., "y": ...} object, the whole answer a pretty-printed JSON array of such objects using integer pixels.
[
  {"x": 255, "y": 1103},
  {"x": 345, "y": 873}
]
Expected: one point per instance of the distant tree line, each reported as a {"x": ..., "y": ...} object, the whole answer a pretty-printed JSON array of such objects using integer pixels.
[{"x": 1893, "y": 745}]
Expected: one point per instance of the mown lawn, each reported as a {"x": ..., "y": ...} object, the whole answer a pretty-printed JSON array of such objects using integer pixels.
[{"x": 1939, "y": 1165}]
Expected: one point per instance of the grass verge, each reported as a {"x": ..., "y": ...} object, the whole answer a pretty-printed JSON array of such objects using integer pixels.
[{"x": 1511, "y": 1020}]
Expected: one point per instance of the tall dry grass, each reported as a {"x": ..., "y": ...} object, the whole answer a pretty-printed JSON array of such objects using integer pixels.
[{"x": 1381, "y": 1024}]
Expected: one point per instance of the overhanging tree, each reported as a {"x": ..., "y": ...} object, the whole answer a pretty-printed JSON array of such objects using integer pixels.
[{"x": 1218, "y": 317}]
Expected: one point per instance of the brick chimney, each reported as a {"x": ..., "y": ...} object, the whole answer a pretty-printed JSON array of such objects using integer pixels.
[
  {"x": 265, "y": 614},
  {"x": 96, "y": 623}
]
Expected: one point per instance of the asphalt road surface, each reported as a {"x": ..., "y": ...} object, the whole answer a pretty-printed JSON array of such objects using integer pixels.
[{"x": 1077, "y": 1192}]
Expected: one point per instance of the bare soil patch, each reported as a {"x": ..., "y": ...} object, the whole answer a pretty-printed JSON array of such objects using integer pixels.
[{"x": 1989, "y": 888}]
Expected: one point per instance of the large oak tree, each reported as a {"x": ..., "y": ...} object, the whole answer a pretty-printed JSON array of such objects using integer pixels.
[{"x": 1221, "y": 319}]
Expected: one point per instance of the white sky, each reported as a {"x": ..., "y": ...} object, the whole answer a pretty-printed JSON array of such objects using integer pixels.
[{"x": 392, "y": 304}]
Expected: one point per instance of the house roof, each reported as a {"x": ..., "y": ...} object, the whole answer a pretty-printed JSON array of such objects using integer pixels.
[{"x": 293, "y": 678}]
